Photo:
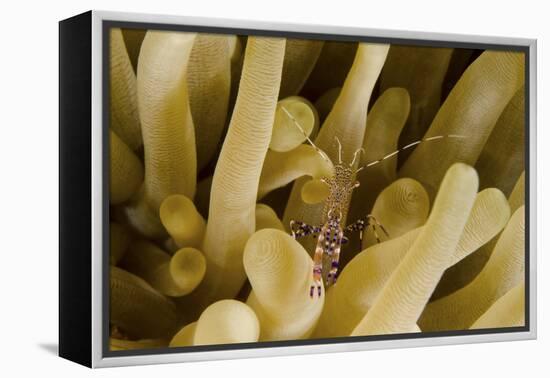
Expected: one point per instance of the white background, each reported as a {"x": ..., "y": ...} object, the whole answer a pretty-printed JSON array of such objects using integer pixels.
[{"x": 29, "y": 189}]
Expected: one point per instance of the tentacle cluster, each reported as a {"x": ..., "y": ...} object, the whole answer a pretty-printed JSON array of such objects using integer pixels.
[{"x": 204, "y": 127}]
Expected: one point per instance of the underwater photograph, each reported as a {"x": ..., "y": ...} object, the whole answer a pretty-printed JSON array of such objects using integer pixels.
[{"x": 268, "y": 189}]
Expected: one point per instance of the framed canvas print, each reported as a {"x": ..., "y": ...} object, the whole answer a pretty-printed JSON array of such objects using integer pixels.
[{"x": 235, "y": 189}]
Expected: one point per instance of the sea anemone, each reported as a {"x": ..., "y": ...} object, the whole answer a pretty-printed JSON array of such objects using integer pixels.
[{"x": 219, "y": 141}]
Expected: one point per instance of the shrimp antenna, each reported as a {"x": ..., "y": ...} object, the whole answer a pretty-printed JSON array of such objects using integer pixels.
[
  {"x": 409, "y": 146},
  {"x": 355, "y": 154},
  {"x": 339, "y": 150},
  {"x": 319, "y": 151}
]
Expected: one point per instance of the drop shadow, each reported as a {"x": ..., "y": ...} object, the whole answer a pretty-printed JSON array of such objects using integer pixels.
[{"x": 51, "y": 348}]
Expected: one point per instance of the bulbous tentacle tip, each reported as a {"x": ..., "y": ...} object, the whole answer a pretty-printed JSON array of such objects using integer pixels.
[
  {"x": 227, "y": 321},
  {"x": 180, "y": 218},
  {"x": 462, "y": 168},
  {"x": 295, "y": 121},
  {"x": 187, "y": 268}
]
